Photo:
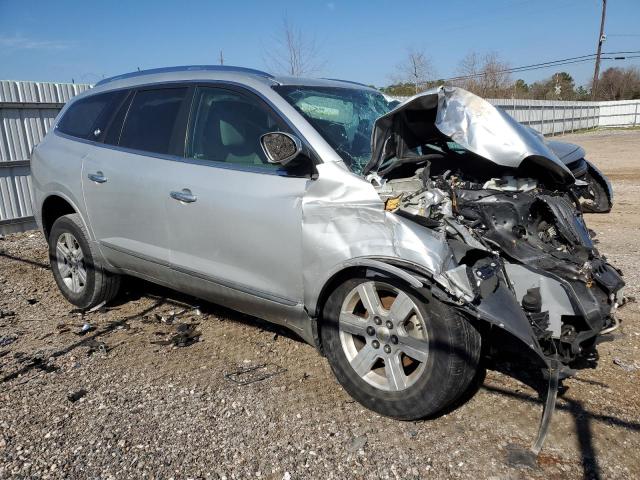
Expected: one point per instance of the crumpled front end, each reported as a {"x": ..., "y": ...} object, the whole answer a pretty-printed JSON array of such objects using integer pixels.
[{"x": 522, "y": 258}]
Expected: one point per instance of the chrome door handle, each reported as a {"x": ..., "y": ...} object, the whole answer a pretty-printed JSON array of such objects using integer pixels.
[
  {"x": 97, "y": 177},
  {"x": 183, "y": 196}
]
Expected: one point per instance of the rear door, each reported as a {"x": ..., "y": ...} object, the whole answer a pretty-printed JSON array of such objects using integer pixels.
[
  {"x": 125, "y": 181},
  {"x": 237, "y": 231}
]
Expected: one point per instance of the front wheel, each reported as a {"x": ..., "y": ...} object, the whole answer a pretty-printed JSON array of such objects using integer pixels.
[
  {"x": 398, "y": 351},
  {"x": 594, "y": 198}
]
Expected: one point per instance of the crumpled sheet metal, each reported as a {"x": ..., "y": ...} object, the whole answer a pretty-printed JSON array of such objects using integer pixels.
[
  {"x": 476, "y": 125},
  {"x": 344, "y": 220}
]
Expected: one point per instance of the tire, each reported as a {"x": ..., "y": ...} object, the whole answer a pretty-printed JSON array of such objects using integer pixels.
[
  {"x": 595, "y": 198},
  {"x": 80, "y": 276},
  {"x": 425, "y": 384}
]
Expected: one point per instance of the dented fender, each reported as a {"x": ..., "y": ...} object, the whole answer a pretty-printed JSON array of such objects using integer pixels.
[{"x": 345, "y": 224}]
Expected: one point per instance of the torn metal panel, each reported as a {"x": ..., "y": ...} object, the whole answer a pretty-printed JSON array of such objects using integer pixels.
[{"x": 554, "y": 298}]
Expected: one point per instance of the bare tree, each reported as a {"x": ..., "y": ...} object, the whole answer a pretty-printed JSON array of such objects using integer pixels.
[
  {"x": 484, "y": 75},
  {"x": 294, "y": 53},
  {"x": 618, "y": 84},
  {"x": 416, "y": 69}
]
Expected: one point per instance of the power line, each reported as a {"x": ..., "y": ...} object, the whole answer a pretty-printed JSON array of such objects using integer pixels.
[{"x": 549, "y": 64}]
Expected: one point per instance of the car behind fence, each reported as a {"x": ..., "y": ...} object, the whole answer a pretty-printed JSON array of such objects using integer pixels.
[{"x": 28, "y": 110}]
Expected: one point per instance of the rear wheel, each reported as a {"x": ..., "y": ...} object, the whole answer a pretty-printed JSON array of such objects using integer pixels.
[
  {"x": 79, "y": 275},
  {"x": 398, "y": 351}
]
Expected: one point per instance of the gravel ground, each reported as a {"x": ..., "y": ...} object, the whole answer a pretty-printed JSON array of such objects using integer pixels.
[{"x": 122, "y": 401}]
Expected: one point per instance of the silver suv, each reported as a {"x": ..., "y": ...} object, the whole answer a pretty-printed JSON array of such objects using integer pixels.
[{"x": 401, "y": 242}]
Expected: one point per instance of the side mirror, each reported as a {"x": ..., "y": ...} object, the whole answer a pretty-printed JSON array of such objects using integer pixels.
[{"x": 280, "y": 147}]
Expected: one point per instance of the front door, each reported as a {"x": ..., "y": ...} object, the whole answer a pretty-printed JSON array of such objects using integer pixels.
[{"x": 235, "y": 220}]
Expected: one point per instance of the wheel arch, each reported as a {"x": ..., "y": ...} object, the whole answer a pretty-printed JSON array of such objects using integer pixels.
[
  {"x": 54, "y": 207},
  {"x": 602, "y": 178}
]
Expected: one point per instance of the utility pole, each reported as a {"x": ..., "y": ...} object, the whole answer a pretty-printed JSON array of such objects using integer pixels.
[
  {"x": 596, "y": 72},
  {"x": 221, "y": 58}
]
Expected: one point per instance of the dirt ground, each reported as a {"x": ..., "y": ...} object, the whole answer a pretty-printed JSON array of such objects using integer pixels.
[{"x": 117, "y": 402}]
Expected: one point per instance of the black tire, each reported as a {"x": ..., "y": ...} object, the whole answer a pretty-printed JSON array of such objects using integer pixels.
[
  {"x": 595, "y": 198},
  {"x": 100, "y": 285},
  {"x": 454, "y": 354}
]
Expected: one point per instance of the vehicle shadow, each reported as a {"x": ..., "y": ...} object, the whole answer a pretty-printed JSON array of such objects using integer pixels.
[
  {"x": 135, "y": 289},
  {"x": 582, "y": 417},
  {"x": 33, "y": 263}
]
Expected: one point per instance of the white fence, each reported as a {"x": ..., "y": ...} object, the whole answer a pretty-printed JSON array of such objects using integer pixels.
[
  {"x": 620, "y": 113},
  {"x": 28, "y": 110},
  {"x": 552, "y": 117}
]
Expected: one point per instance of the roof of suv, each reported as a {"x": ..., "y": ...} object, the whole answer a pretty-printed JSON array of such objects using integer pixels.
[{"x": 217, "y": 72}]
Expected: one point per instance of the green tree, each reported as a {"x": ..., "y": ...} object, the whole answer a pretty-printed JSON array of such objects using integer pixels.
[{"x": 520, "y": 89}]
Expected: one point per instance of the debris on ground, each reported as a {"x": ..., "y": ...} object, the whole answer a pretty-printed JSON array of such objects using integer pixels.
[
  {"x": 8, "y": 340},
  {"x": 186, "y": 334},
  {"x": 96, "y": 346},
  {"x": 86, "y": 328},
  {"x": 254, "y": 373},
  {"x": 6, "y": 313},
  {"x": 626, "y": 366},
  {"x": 357, "y": 443},
  {"x": 77, "y": 395}
]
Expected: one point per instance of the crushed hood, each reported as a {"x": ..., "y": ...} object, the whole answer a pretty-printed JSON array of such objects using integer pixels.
[{"x": 468, "y": 120}]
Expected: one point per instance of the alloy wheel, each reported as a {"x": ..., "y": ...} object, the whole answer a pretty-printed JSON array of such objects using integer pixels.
[
  {"x": 70, "y": 261},
  {"x": 383, "y": 335}
]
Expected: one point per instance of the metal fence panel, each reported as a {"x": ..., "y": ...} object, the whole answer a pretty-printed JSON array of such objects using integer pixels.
[
  {"x": 27, "y": 112},
  {"x": 620, "y": 113}
]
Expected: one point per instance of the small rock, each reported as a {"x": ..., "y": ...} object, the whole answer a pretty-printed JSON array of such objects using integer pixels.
[
  {"x": 357, "y": 443},
  {"x": 77, "y": 395}
]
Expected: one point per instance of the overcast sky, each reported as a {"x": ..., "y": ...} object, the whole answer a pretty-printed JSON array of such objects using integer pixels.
[{"x": 357, "y": 40}]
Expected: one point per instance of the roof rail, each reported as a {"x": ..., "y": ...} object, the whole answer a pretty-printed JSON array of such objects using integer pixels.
[
  {"x": 348, "y": 81},
  {"x": 213, "y": 68}
]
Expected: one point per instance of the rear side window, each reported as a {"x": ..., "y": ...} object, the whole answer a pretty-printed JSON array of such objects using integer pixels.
[
  {"x": 151, "y": 119},
  {"x": 81, "y": 119}
]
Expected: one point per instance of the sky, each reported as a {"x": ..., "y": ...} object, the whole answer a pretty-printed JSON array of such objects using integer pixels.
[{"x": 362, "y": 41}]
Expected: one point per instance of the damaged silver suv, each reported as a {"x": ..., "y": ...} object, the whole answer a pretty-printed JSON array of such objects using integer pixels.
[{"x": 401, "y": 242}]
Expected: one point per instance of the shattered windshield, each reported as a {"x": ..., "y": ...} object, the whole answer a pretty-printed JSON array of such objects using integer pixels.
[{"x": 343, "y": 116}]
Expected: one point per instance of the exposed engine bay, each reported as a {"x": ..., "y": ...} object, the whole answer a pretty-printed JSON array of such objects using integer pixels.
[
  {"x": 522, "y": 256},
  {"x": 514, "y": 232}
]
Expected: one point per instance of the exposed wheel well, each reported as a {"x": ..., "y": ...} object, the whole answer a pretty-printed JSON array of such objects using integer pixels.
[
  {"x": 53, "y": 208},
  {"x": 332, "y": 284}
]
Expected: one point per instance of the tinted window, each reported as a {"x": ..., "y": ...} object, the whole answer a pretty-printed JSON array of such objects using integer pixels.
[
  {"x": 114, "y": 128},
  {"x": 82, "y": 117},
  {"x": 151, "y": 119},
  {"x": 226, "y": 127}
]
